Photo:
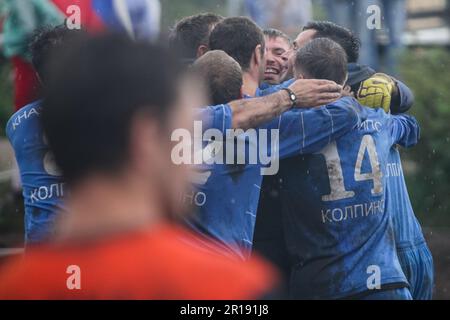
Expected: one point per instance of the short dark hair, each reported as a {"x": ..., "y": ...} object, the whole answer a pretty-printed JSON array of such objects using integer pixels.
[
  {"x": 275, "y": 33},
  {"x": 322, "y": 58},
  {"x": 191, "y": 32},
  {"x": 221, "y": 74},
  {"x": 346, "y": 38},
  {"x": 45, "y": 41},
  {"x": 87, "y": 113},
  {"x": 238, "y": 37}
]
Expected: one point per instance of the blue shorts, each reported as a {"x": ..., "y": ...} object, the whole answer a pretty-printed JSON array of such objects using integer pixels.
[
  {"x": 417, "y": 265},
  {"x": 394, "y": 294}
]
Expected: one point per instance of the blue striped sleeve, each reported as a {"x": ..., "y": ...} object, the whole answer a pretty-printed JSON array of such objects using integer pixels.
[
  {"x": 215, "y": 117},
  {"x": 306, "y": 131}
]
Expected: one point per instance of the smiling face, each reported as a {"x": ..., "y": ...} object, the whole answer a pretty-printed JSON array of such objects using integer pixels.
[{"x": 276, "y": 59}]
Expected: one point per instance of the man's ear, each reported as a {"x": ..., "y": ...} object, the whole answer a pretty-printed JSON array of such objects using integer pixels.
[
  {"x": 241, "y": 94},
  {"x": 201, "y": 50},
  {"x": 257, "y": 55}
]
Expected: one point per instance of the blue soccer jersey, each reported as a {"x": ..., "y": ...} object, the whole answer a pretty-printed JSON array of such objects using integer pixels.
[
  {"x": 227, "y": 198},
  {"x": 338, "y": 232},
  {"x": 414, "y": 255},
  {"x": 407, "y": 229},
  {"x": 43, "y": 187},
  {"x": 265, "y": 89},
  {"x": 215, "y": 117}
]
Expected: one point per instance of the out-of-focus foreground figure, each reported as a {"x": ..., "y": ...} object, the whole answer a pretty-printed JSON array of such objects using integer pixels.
[{"x": 109, "y": 124}]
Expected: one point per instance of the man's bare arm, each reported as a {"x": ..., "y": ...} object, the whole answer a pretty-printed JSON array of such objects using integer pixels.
[{"x": 251, "y": 113}]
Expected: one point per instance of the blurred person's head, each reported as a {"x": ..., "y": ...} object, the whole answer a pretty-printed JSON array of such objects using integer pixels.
[
  {"x": 222, "y": 76},
  {"x": 243, "y": 40},
  {"x": 321, "y": 58},
  {"x": 325, "y": 29},
  {"x": 278, "y": 46},
  {"x": 47, "y": 40},
  {"x": 189, "y": 37},
  {"x": 109, "y": 120}
]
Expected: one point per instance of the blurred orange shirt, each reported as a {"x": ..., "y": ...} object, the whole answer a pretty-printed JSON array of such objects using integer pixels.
[{"x": 156, "y": 264}]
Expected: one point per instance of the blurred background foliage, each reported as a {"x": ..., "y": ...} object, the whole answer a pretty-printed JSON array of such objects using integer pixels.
[{"x": 424, "y": 70}]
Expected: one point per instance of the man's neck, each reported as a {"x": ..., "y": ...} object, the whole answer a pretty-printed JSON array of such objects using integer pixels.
[
  {"x": 103, "y": 207},
  {"x": 250, "y": 84}
]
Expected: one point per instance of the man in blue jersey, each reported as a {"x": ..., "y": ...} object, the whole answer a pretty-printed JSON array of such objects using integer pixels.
[
  {"x": 189, "y": 36},
  {"x": 219, "y": 71},
  {"x": 337, "y": 228},
  {"x": 43, "y": 187},
  {"x": 402, "y": 97},
  {"x": 189, "y": 40},
  {"x": 372, "y": 90},
  {"x": 278, "y": 45},
  {"x": 227, "y": 197},
  {"x": 414, "y": 255}
]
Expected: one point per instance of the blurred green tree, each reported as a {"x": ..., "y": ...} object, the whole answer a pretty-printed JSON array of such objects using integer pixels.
[{"x": 426, "y": 72}]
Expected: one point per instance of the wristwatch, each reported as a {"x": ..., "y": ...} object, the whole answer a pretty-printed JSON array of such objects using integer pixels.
[{"x": 292, "y": 96}]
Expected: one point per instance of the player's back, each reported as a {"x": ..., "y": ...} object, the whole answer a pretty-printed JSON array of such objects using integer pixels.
[
  {"x": 155, "y": 263},
  {"x": 228, "y": 195},
  {"x": 337, "y": 230},
  {"x": 227, "y": 204},
  {"x": 42, "y": 184}
]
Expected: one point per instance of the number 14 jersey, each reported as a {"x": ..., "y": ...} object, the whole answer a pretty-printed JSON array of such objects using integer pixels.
[{"x": 338, "y": 234}]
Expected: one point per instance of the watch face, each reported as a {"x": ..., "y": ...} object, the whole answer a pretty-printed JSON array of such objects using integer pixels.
[{"x": 293, "y": 97}]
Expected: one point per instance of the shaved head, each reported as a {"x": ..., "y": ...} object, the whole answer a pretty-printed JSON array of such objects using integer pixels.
[{"x": 221, "y": 74}]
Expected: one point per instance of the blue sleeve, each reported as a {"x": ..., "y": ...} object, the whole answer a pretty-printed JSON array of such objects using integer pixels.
[
  {"x": 405, "y": 130},
  {"x": 215, "y": 117},
  {"x": 310, "y": 130},
  {"x": 264, "y": 86},
  {"x": 406, "y": 99},
  {"x": 265, "y": 90}
]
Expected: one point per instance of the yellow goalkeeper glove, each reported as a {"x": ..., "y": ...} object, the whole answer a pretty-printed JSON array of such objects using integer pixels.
[{"x": 376, "y": 92}]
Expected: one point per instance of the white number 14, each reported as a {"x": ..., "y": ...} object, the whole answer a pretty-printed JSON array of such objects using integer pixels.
[{"x": 336, "y": 176}]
